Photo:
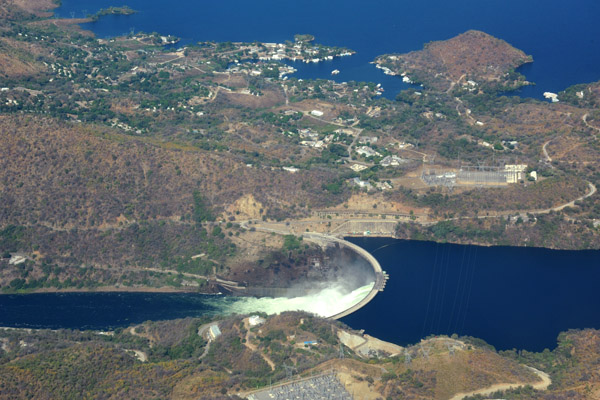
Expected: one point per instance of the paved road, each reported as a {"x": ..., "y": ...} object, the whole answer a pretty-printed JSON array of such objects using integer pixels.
[
  {"x": 422, "y": 219},
  {"x": 201, "y": 332}
]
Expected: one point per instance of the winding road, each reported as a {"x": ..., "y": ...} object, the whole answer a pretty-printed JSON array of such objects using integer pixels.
[
  {"x": 584, "y": 118},
  {"x": 593, "y": 190},
  {"x": 547, "y": 158},
  {"x": 543, "y": 384}
]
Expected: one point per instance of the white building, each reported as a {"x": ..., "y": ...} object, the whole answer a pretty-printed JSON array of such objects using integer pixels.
[
  {"x": 383, "y": 186},
  {"x": 16, "y": 259},
  {"x": 367, "y": 151},
  {"x": 551, "y": 96},
  {"x": 307, "y": 133},
  {"x": 367, "y": 139},
  {"x": 514, "y": 172},
  {"x": 361, "y": 184},
  {"x": 533, "y": 175},
  {"x": 358, "y": 167},
  {"x": 392, "y": 161},
  {"x": 316, "y": 113}
]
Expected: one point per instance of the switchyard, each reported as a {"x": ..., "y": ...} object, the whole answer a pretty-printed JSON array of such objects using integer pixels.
[
  {"x": 323, "y": 387},
  {"x": 439, "y": 178},
  {"x": 481, "y": 175}
]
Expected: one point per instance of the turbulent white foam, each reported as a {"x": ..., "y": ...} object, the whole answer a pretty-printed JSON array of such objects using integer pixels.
[{"x": 326, "y": 303}]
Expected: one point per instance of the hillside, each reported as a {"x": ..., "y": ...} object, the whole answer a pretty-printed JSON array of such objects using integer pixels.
[
  {"x": 471, "y": 56},
  {"x": 125, "y": 164},
  {"x": 171, "y": 360}
]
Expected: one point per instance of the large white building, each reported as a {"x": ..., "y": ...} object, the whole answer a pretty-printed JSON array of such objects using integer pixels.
[
  {"x": 367, "y": 151},
  {"x": 514, "y": 172}
]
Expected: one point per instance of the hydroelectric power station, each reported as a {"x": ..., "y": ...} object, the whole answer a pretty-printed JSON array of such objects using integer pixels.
[{"x": 378, "y": 275}]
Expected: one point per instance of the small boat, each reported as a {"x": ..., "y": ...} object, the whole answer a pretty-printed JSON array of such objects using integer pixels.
[{"x": 335, "y": 72}]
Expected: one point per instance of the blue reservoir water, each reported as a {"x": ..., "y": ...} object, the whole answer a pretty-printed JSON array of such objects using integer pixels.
[
  {"x": 510, "y": 297},
  {"x": 563, "y": 37}
]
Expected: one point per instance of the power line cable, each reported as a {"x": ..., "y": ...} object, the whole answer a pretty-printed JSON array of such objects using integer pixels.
[
  {"x": 430, "y": 289},
  {"x": 457, "y": 289}
]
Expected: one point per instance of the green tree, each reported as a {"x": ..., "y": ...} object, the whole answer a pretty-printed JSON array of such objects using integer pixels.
[{"x": 202, "y": 211}]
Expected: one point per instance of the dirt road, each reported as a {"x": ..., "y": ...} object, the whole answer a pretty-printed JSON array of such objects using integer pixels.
[{"x": 543, "y": 384}]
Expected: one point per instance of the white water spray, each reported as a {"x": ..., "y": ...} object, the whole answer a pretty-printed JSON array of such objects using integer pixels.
[{"x": 325, "y": 303}]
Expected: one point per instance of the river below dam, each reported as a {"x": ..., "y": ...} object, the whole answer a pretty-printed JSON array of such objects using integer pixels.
[
  {"x": 510, "y": 297},
  {"x": 109, "y": 310}
]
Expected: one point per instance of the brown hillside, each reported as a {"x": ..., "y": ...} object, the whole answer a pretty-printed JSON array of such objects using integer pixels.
[
  {"x": 62, "y": 175},
  {"x": 471, "y": 55}
]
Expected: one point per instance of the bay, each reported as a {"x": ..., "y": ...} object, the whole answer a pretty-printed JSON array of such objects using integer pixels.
[
  {"x": 510, "y": 297},
  {"x": 561, "y": 36}
]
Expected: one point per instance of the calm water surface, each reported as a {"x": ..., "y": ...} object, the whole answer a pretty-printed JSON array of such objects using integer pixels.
[
  {"x": 562, "y": 36},
  {"x": 510, "y": 297}
]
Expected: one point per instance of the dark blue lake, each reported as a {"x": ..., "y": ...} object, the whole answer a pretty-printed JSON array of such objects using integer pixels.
[
  {"x": 563, "y": 37},
  {"x": 510, "y": 297}
]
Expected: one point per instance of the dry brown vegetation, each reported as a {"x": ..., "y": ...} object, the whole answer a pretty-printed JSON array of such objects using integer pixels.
[
  {"x": 18, "y": 61},
  {"x": 113, "y": 188},
  {"x": 60, "y": 364},
  {"x": 39, "y": 8},
  {"x": 66, "y": 176},
  {"x": 472, "y": 55}
]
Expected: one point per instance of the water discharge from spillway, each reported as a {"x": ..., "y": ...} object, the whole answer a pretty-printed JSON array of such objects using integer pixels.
[{"x": 327, "y": 302}]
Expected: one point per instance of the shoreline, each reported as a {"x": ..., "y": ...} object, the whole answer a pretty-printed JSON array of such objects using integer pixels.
[
  {"x": 359, "y": 250},
  {"x": 317, "y": 238},
  {"x": 108, "y": 289}
]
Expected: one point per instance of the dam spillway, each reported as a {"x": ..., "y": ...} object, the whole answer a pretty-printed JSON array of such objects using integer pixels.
[
  {"x": 302, "y": 296},
  {"x": 380, "y": 276}
]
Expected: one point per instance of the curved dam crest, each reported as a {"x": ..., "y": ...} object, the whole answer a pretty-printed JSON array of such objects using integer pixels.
[
  {"x": 320, "y": 297},
  {"x": 332, "y": 301},
  {"x": 108, "y": 310},
  {"x": 440, "y": 289},
  {"x": 380, "y": 275}
]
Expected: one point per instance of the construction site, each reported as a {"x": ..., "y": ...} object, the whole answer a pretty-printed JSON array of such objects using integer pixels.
[{"x": 481, "y": 175}]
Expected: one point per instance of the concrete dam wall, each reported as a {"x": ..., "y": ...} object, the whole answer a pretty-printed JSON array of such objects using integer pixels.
[{"x": 378, "y": 275}]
